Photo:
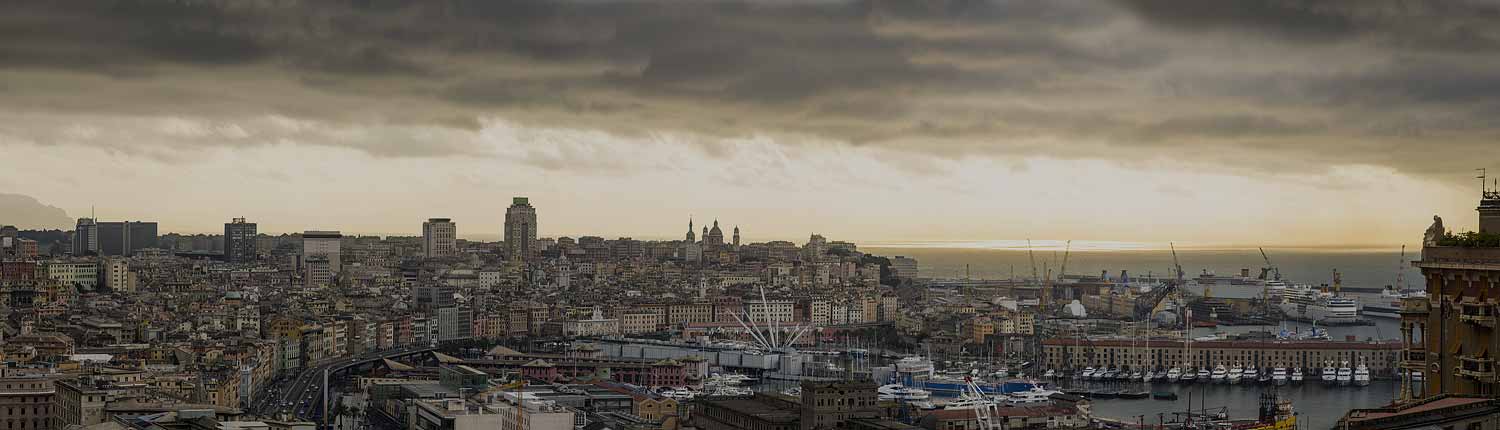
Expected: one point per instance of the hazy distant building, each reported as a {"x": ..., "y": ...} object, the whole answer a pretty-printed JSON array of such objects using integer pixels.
[
  {"x": 439, "y": 238},
  {"x": 125, "y": 237},
  {"x": 324, "y": 244},
  {"x": 903, "y": 267},
  {"x": 86, "y": 237},
  {"x": 239, "y": 241},
  {"x": 520, "y": 229},
  {"x": 714, "y": 238}
]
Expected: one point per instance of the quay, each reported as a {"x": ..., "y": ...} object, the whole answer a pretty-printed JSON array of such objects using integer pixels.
[{"x": 1383, "y": 357}]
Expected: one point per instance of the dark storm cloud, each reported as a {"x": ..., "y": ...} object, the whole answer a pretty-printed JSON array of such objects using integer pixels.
[{"x": 1320, "y": 81}]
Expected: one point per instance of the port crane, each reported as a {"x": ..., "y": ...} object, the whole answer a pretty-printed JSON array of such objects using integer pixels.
[
  {"x": 1270, "y": 272},
  {"x": 985, "y": 409},
  {"x": 1152, "y": 302}
]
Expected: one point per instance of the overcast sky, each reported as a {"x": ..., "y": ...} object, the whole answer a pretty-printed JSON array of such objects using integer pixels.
[{"x": 1275, "y": 122}]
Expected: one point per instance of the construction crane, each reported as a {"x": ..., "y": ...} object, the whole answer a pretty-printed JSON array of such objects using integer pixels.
[{"x": 1032, "y": 253}]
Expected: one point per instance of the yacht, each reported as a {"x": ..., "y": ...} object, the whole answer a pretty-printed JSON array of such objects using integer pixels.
[
  {"x": 1251, "y": 375},
  {"x": 1278, "y": 376},
  {"x": 1148, "y": 376},
  {"x": 1135, "y": 376},
  {"x": 1345, "y": 375},
  {"x": 1088, "y": 373},
  {"x": 1034, "y": 396},
  {"x": 1329, "y": 374},
  {"x": 1174, "y": 374},
  {"x": 1265, "y": 377},
  {"x": 1362, "y": 375},
  {"x": 1204, "y": 375},
  {"x": 902, "y": 392},
  {"x": 1296, "y": 375},
  {"x": 1234, "y": 374},
  {"x": 1050, "y": 374},
  {"x": 1218, "y": 374}
]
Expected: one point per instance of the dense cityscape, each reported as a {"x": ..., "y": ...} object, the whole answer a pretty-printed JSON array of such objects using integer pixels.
[{"x": 114, "y": 325}]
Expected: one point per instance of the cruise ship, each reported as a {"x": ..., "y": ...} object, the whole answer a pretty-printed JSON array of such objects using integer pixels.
[{"x": 1305, "y": 303}]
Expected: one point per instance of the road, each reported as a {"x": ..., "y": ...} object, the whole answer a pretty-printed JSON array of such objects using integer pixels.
[{"x": 301, "y": 393}]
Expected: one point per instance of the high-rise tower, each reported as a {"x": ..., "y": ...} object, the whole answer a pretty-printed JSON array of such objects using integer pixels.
[
  {"x": 86, "y": 237},
  {"x": 439, "y": 238},
  {"x": 520, "y": 229},
  {"x": 239, "y": 241}
]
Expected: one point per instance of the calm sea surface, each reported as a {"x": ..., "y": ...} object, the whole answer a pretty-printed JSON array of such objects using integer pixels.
[{"x": 1360, "y": 267}]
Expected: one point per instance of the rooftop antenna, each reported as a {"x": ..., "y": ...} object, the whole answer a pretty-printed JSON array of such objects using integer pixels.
[{"x": 1483, "y": 188}]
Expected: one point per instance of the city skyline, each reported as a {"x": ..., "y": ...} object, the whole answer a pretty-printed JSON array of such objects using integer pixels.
[{"x": 1123, "y": 120}]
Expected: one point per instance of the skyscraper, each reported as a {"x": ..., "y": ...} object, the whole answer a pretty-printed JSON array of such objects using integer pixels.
[
  {"x": 520, "y": 229},
  {"x": 324, "y": 244},
  {"x": 239, "y": 241},
  {"x": 439, "y": 238},
  {"x": 86, "y": 237}
]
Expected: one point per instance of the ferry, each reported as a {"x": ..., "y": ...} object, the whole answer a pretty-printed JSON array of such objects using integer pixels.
[{"x": 1362, "y": 375}]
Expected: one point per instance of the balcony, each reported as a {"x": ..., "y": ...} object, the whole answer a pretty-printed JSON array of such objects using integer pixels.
[
  {"x": 1480, "y": 320},
  {"x": 1481, "y": 368},
  {"x": 1416, "y": 355}
]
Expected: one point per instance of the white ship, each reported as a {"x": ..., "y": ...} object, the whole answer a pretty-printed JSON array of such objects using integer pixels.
[
  {"x": 1306, "y": 303},
  {"x": 1329, "y": 374},
  {"x": 902, "y": 392},
  {"x": 1362, "y": 375},
  {"x": 1297, "y": 375},
  {"x": 1345, "y": 375},
  {"x": 1034, "y": 396},
  {"x": 1235, "y": 374},
  {"x": 1218, "y": 374},
  {"x": 1279, "y": 376}
]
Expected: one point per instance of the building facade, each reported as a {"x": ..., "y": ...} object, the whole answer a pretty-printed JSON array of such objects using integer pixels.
[
  {"x": 520, "y": 229},
  {"x": 239, "y": 241},
  {"x": 323, "y": 243},
  {"x": 439, "y": 238}
]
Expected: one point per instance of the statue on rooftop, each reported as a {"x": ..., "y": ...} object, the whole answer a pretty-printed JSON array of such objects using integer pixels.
[{"x": 1435, "y": 232}]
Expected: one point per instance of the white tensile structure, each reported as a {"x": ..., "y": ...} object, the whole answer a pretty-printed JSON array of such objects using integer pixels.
[{"x": 770, "y": 334}]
